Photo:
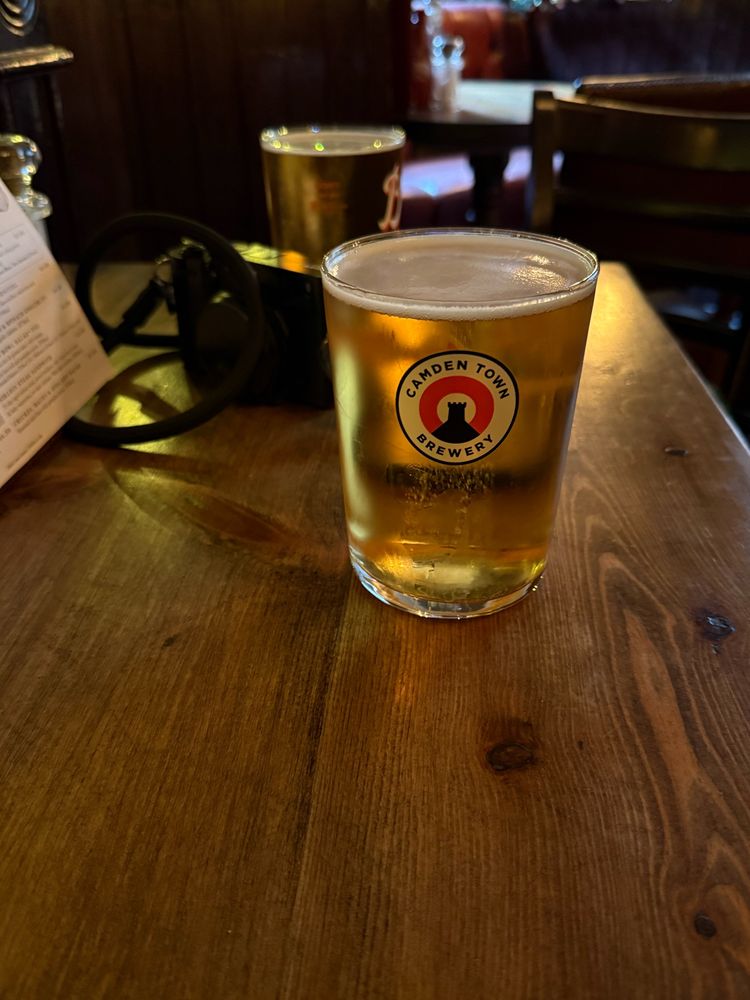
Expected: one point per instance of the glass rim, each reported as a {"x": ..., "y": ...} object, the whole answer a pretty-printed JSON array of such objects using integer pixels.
[
  {"x": 271, "y": 133},
  {"x": 336, "y": 253}
]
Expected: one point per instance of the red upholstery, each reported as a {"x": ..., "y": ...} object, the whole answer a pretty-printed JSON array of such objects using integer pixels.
[
  {"x": 480, "y": 27},
  {"x": 496, "y": 42}
]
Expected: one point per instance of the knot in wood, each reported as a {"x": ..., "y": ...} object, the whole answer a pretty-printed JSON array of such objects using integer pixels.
[
  {"x": 704, "y": 925},
  {"x": 718, "y": 627},
  {"x": 509, "y": 756},
  {"x": 714, "y": 627}
]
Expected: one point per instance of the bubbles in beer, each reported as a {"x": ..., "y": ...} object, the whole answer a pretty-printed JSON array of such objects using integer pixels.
[{"x": 329, "y": 140}]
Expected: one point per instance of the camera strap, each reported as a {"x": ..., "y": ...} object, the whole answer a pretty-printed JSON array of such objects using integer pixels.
[{"x": 234, "y": 275}]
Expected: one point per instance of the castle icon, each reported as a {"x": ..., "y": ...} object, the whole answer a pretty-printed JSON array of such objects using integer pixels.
[{"x": 455, "y": 430}]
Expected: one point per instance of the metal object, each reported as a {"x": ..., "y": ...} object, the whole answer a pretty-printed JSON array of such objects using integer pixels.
[
  {"x": 19, "y": 16},
  {"x": 35, "y": 59}
]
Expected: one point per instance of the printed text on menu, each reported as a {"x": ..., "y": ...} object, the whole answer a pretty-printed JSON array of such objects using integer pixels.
[{"x": 51, "y": 361}]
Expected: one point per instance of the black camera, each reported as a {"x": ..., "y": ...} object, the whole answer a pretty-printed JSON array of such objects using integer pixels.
[
  {"x": 289, "y": 328},
  {"x": 250, "y": 321}
]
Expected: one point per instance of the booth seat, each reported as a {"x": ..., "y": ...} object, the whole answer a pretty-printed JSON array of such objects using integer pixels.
[
  {"x": 574, "y": 40},
  {"x": 496, "y": 41}
]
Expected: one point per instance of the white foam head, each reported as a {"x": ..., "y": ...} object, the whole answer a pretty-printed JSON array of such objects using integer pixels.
[
  {"x": 332, "y": 140},
  {"x": 459, "y": 274}
]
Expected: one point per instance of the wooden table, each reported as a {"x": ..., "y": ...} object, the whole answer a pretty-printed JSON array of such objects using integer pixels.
[
  {"x": 491, "y": 118},
  {"x": 226, "y": 771}
]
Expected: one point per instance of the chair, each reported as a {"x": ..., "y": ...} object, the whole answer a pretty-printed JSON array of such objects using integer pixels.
[
  {"x": 704, "y": 92},
  {"x": 668, "y": 192}
]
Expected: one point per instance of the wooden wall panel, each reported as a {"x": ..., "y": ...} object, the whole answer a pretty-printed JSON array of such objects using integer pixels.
[
  {"x": 267, "y": 53},
  {"x": 98, "y": 116},
  {"x": 221, "y": 155},
  {"x": 163, "y": 105},
  {"x": 160, "y": 84}
]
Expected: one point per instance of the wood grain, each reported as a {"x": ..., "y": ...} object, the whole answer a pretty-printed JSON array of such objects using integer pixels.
[{"x": 226, "y": 771}]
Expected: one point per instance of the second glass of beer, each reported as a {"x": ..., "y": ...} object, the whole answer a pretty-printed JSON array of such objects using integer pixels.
[
  {"x": 456, "y": 356},
  {"x": 327, "y": 183}
]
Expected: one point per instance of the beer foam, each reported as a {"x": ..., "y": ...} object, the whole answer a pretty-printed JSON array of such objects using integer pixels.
[
  {"x": 330, "y": 140},
  {"x": 459, "y": 274}
]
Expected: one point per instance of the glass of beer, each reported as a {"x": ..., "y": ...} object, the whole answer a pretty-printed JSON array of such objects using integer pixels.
[
  {"x": 326, "y": 184},
  {"x": 456, "y": 356}
]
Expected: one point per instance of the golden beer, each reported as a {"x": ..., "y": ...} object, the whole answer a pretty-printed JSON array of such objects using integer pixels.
[
  {"x": 326, "y": 184},
  {"x": 456, "y": 356}
]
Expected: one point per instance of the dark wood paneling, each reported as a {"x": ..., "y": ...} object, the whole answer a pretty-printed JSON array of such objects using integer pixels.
[
  {"x": 163, "y": 105},
  {"x": 97, "y": 125}
]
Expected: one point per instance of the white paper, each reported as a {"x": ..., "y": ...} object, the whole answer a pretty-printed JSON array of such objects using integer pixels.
[{"x": 51, "y": 360}]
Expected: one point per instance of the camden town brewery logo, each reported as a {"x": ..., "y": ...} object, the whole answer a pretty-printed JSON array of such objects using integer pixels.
[{"x": 456, "y": 407}]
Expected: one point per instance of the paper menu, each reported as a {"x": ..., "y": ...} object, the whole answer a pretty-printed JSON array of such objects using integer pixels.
[{"x": 51, "y": 360}]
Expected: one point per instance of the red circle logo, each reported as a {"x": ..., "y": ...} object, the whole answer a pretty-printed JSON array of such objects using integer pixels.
[{"x": 456, "y": 407}]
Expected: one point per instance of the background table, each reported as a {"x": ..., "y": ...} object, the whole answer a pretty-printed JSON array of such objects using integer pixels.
[
  {"x": 226, "y": 771},
  {"x": 489, "y": 114},
  {"x": 492, "y": 117}
]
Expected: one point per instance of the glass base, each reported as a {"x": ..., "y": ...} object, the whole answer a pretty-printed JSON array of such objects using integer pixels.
[{"x": 440, "y": 609}]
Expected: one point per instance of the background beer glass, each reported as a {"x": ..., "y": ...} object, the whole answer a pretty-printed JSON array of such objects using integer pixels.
[
  {"x": 456, "y": 356},
  {"x": 326, "y": 184}
]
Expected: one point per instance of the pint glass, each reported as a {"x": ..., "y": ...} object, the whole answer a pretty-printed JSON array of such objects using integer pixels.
[
  {"x": 326, "y": 184},
  {"x": 456, "y": 356}
]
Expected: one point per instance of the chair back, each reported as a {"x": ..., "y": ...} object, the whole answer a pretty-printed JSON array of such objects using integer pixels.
[
  {"x": 703, "y": 92},
  {"x": 667, "y": 191}
]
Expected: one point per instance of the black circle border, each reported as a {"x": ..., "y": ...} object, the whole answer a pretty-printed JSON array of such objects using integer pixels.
[{"x": 442, "y": 354}]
